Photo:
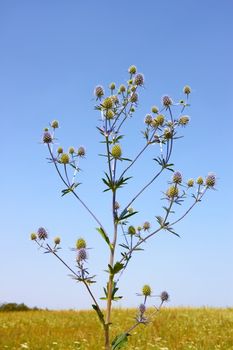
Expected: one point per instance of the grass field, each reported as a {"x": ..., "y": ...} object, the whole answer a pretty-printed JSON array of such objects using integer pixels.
[{"x": 172, "y": 329}]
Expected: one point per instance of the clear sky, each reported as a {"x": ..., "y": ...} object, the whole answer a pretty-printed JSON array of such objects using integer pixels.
[{"x": 53, "y": 53}]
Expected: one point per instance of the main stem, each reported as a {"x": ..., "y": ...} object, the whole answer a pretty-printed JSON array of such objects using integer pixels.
[{"x": 111, "y": 263}]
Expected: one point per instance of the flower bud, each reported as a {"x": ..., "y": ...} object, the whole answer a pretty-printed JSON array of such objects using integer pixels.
[
  {"x": 167, "y": 134},
  {"x": 47, "y": 137},
  {"x": 148, "y": 119},
  {"x": 200, "y": 180},
  {"x": 116, "y": 151},
  {"x": 42, "y": 233},
  {"x": 117, "y": 205},
  {"x": 187, "y": 90},
  {"x": 131, "y": 230},
  {"x": 122, "y": 88},
  {"x": 81, "y": 152},
  {"x": 132, "y": 69},
  {"x": 71, "y": 150},
  {"x": 154, "y": 109},
  {"x": 57, "y": 240},
  {"x": 146, "y": 226},
  {"x": 99, "y": 92},
  {"x": 146, "y": 290},
  {"x": 65, "y": 158},
  {"x": 60, "y": 150},
  {"x": 172, "y": 192},
  {"x": 55, "y": 124},
  {"x": 109, "y": 114},
  {"x": 81, "y": 243},
  {"x": 33, "y": 236},
  {"x": 160, "y": 119},
  {"x": 190, "y": 183},
  {"x": 134, "y": 97},
  {"x": 130, "y": 210},
  {"x": 112, "y": 86},
  {"x": 115, "y": 99}
]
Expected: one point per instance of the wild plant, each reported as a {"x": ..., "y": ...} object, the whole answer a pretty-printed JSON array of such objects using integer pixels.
[{"x": 161, "y": 130}]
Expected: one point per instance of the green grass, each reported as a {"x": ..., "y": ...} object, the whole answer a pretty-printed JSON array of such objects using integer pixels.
[{"x": 172, "y": 329}]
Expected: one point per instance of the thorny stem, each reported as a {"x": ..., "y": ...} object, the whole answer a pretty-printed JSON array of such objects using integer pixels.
[
  {"x": 74, "y": 273},
  {"x": 74, "y": 193},
  {"x": 196, "y": 201},
  {"x": 139, "y": 154},
  {"x": 147, "y": 321},
  {"x": 129, "y": 253},
  {"x": 144, "y": 188}
]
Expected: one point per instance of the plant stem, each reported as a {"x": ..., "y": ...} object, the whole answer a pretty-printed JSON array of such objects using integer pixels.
[{"x": 74, "y": 193}]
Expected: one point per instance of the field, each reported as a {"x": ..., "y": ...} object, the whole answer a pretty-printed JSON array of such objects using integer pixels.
[{"x": 172, "y": 329}]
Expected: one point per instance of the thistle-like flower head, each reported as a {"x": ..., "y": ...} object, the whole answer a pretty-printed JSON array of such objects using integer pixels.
[
  {"x": 116, "y": 151},
  {"x": 142, "y": 308},
  {"x": 200, "y": 180},
  {"x": 164, "y": 296},
  {"x": 42, "y": 233},
  {"x": 57, "y": 240},
  {"x": 107, "y": 103},
  {"x": 183, "y": 120},
  {"x": 47, "y": 137},
  {"x": 55, "y": 124},
  {"x": 122, "y": 88},
  {"x": 81, "y": 151},
  {"x": 65, "y": 158},
  {"x": 60, "y": 150},
  {"x": 154, "y": 109},
  {"x": 146, "y": 290},
  {"x": 190, "y": 183},
  {"x": 99, "y": 92},
  {"x": 134, "y": 97},
  {"x": 82, "y": 255},
  {"x": 112, "y": 86},
  {"x": 139, "y": 79},
  {"x": 71, "y": 150},
  {"x": 172, "y": 192},
  {"x": 81, "y": 243},
  {"x": 132, "y": 70},
  {"x": 160, "y": 119},
  {"x": 166, "y": 101},
  {"x": 187, "y": 90},
  {"x": 177, "y": 177},
  {"x": 148, "y": 119},
  {"x": 210, "y": 180},
  {"x": 33, "y": 236},
  {"x": 146, "y": 226}
]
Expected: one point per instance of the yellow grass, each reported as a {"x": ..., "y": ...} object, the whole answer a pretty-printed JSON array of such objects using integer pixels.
[{"x": 172, "y": 329}]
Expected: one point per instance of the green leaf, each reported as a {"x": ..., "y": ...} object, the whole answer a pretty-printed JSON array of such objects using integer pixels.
[
  {"x": 160, "y": 220},
  {"x": 120, "y": 341},
  {"x": 117, "y": 267},
  {"x": 105, "y": 237},
  {"x": 123, "y": 216}
]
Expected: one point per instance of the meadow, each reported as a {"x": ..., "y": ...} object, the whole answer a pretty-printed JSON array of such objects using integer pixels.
[{"x": 171, "y": 329}]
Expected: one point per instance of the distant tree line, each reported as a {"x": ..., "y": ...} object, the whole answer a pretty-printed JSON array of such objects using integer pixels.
[{"x": 15, "y": 307}]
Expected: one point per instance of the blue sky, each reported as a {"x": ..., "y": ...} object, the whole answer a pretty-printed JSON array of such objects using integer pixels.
[{"x": 53, "y": 53}]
